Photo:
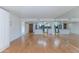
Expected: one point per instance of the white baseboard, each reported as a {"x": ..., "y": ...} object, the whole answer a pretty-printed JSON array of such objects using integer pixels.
[
  {"x": 5, "y": 47},
  {"x": 14, "y": 38}
]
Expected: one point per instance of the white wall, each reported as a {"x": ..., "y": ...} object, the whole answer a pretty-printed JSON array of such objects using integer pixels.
[
  {"x": 4, "y": 30},
  {"x": 26, "y": 28},
  {"x": 15, "y": 27},
  {"x": 10, "y": 29},
  {"x": 75, "y": 28}
]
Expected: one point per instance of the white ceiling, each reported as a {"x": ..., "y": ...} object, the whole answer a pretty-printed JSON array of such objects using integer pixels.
[{"x": 38, "y": 11}]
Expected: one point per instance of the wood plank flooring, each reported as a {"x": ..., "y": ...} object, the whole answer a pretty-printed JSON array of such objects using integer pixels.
[{"x": 28, "y": 44}]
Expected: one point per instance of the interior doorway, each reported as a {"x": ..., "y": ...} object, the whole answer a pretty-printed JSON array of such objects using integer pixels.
[{"x": 30, "y": 28}]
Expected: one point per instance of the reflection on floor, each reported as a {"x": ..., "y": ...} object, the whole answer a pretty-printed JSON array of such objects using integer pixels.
[{"x": 45, "y": 44}]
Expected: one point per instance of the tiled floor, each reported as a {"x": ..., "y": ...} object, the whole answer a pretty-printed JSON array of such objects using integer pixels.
[{"x": 53, "y": 44}]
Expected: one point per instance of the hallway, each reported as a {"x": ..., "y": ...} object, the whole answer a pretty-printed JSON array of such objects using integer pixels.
[{"x": 28, "y": 44}]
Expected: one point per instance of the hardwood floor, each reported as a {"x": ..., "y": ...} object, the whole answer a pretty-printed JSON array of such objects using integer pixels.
[{"x": 28, "y": 44}]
